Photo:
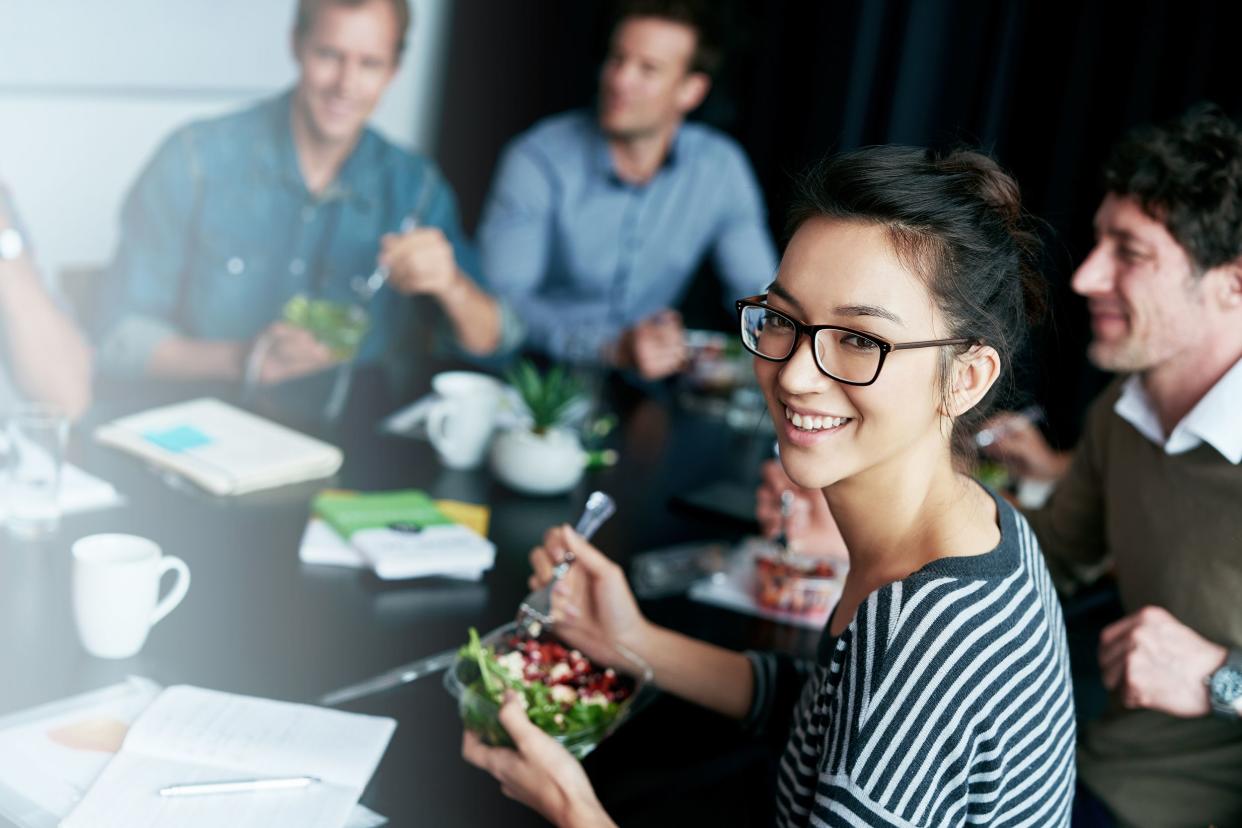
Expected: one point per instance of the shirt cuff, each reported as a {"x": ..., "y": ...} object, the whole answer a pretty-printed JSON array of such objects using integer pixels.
[
  {"x": 126, "y": 349},
  {"x": 763, "y": 671},
  {"x": 512, "y": 331}
]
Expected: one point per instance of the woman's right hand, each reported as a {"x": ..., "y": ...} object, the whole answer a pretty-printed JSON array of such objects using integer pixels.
[{"x": 592, "y": 605}]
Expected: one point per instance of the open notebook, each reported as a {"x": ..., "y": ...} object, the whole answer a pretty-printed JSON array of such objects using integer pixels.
[
  {"x": 224, "y": 449},
  {"x": 50, "y": 755},
  {"x": 189, "y": 735}
]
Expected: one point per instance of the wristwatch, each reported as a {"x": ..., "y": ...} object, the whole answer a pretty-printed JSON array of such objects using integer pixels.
[
  {"x": 1225, "y": 686},
  {"x": 11, "y": 244}
]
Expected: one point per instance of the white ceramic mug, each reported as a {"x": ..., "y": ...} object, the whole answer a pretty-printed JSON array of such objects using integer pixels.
[
  {"x": 460, "y": 423},
  {"x": 116, "y": 583}
]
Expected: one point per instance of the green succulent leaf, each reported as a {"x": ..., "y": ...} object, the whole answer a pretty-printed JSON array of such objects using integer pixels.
[{"x": 547, "y": 396}]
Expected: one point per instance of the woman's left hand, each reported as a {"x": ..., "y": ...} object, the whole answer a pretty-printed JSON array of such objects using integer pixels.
[{"x": 537, "y": 771}]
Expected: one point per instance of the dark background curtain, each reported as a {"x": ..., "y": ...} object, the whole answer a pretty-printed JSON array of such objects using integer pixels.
[{"x": 1045, "y": 87}]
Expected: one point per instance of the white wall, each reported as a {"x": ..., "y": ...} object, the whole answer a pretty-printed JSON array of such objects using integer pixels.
[{"x": 89, "y": 88}]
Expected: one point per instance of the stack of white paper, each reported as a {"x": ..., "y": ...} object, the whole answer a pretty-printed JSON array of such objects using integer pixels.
[
  {"x": 450, "y": 551},
  {"x": 191, "y": 735},
  {"x": 224, "y": 449},
  {"x": 82, "y": 492}
]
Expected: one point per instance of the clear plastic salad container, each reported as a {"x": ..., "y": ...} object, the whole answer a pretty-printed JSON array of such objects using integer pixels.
[
  {"x": 606, "y": 698},
  {"x": 797, "y": 584}
]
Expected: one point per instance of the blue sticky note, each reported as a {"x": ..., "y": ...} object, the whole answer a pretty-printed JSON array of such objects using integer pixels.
[{"x": 178, "y": 439}]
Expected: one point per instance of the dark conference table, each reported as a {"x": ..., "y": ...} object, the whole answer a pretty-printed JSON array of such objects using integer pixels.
[{"x": 260, "y": 622}]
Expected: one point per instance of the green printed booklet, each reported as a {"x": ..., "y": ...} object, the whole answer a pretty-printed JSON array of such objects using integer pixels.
[{"x": 399, "y": 534}]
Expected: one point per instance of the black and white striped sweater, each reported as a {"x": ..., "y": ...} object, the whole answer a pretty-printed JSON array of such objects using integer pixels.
[{"x": 947, "y": 701}]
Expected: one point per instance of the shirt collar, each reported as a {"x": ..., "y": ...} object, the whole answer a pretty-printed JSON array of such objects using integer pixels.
[
  {"x": 281, "y": 156},
  {"x": 1214, "y": 419},
  {"x": 603, "y": 155}
]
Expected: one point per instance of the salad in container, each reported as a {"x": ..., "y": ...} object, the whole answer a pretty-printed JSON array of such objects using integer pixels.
[
  {"x": 339, "y": 325},
  {"x": 797, "y": 584},
  {"x": 567, "y": 695}
]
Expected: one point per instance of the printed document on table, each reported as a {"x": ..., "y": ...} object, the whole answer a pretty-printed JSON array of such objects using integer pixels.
[{"x": 193, "y": 735}]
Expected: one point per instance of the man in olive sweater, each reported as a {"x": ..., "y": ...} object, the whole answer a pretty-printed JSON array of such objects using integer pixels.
[{"x": 1155, "y": 486}]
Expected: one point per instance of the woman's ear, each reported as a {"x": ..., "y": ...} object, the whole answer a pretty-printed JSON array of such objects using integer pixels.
[{"x": 973, "y": 374}]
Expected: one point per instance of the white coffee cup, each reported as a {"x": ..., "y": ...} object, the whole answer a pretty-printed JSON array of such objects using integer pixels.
[
  {"x": 461, "y": 421},
  {"x": 116, "y": 582}
]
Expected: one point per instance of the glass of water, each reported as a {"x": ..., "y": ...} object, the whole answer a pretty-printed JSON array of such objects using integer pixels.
[{"x": 36, "y": 436}]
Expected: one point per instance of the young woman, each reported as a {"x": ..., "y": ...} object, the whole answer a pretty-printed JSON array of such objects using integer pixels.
[{"x": 941, "y": 692}]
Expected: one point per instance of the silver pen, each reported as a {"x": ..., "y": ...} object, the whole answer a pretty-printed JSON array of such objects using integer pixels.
[{"x": 285, "y": 783}]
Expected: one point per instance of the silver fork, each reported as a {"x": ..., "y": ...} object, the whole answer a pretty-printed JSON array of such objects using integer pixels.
[
  {"x": 788, "y": 498},
  {"x": 367, "y": 287},
  {"x": 370, "y": 285},
  {"x": 535, "y": 613}
]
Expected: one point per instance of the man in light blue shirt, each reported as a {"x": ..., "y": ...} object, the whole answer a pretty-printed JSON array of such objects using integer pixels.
[
  {"x": 597, "y": 221},
  {"x": 236, "y": 215}
]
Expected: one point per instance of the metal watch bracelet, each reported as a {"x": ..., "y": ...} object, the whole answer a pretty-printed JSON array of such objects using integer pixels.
[{"x": 1225, "y": 686}]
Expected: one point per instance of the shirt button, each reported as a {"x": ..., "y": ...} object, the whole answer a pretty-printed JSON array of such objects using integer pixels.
[
  {"x": 235, "y": 266},
  {"x": 297, "y": 267},
  {"x": 308, "y": 214}
]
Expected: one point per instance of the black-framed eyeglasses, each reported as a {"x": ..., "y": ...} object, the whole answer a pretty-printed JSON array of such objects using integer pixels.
[{"x": 848, "y": 356}]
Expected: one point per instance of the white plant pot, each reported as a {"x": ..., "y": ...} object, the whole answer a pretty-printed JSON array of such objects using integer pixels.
[{"x": 539, "y": 464}]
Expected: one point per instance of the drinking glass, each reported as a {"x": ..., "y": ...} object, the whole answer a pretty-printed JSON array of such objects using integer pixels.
[{"x": 36, "y": 435}]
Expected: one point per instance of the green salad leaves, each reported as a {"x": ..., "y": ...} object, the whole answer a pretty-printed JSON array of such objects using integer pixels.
[{"x": 485, "y": 675}]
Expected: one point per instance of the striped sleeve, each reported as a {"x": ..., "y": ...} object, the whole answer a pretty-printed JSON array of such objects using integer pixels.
[{"x": 779, "y": 680}]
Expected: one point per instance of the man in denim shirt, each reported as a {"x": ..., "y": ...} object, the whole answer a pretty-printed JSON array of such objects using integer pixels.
[
  {"x": 236, "y": 215},
  {"x": 597, "y": 221}
]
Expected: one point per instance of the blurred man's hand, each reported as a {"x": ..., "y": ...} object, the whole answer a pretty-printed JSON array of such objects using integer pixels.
[
  {"x": 284, "y": 352},
  {"x": 811, "y": 529},
  {"x": 1151, "y": 660},
  {"x": 1018, "y": 444},
  {"x": 420, "y": 261},
  {"x": 655, "y": 347}
]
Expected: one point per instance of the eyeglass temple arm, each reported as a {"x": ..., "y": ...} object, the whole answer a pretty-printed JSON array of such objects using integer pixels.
[{"x": 905, "y": 346}]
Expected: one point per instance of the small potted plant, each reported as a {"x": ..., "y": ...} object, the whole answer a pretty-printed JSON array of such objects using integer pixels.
[{"x": 541, "y": 456}]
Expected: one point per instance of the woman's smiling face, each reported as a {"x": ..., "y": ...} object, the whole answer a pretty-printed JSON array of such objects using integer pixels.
[{"x": 847, "y": 273}]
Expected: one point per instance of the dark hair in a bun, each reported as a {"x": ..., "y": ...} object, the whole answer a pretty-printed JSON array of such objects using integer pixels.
[{"x": 956, "y": 219}]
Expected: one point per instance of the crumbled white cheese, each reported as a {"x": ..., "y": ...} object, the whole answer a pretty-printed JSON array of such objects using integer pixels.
[
  {"x": 596, "y": 698},
  {"x": 560, "y": 671},
  {"x": 512, "y": 663},
  {"x": 564, "y": 694}
]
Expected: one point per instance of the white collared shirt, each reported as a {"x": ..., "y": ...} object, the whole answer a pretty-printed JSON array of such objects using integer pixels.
[{"x": 1216, "y": 419}]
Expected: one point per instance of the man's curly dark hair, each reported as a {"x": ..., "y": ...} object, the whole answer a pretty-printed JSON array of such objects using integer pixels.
[{"x": 1187, "y": 174}]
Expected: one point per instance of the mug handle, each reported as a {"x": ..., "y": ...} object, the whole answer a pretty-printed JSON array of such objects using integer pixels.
[
  {"x": 437, "y": 425},
  {"x": 180, "y": 587}
]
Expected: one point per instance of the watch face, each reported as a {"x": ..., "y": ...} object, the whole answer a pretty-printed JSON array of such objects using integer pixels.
[
  {"x": 10, "y": 244},
  {"x": 1227, "y": 685}
]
